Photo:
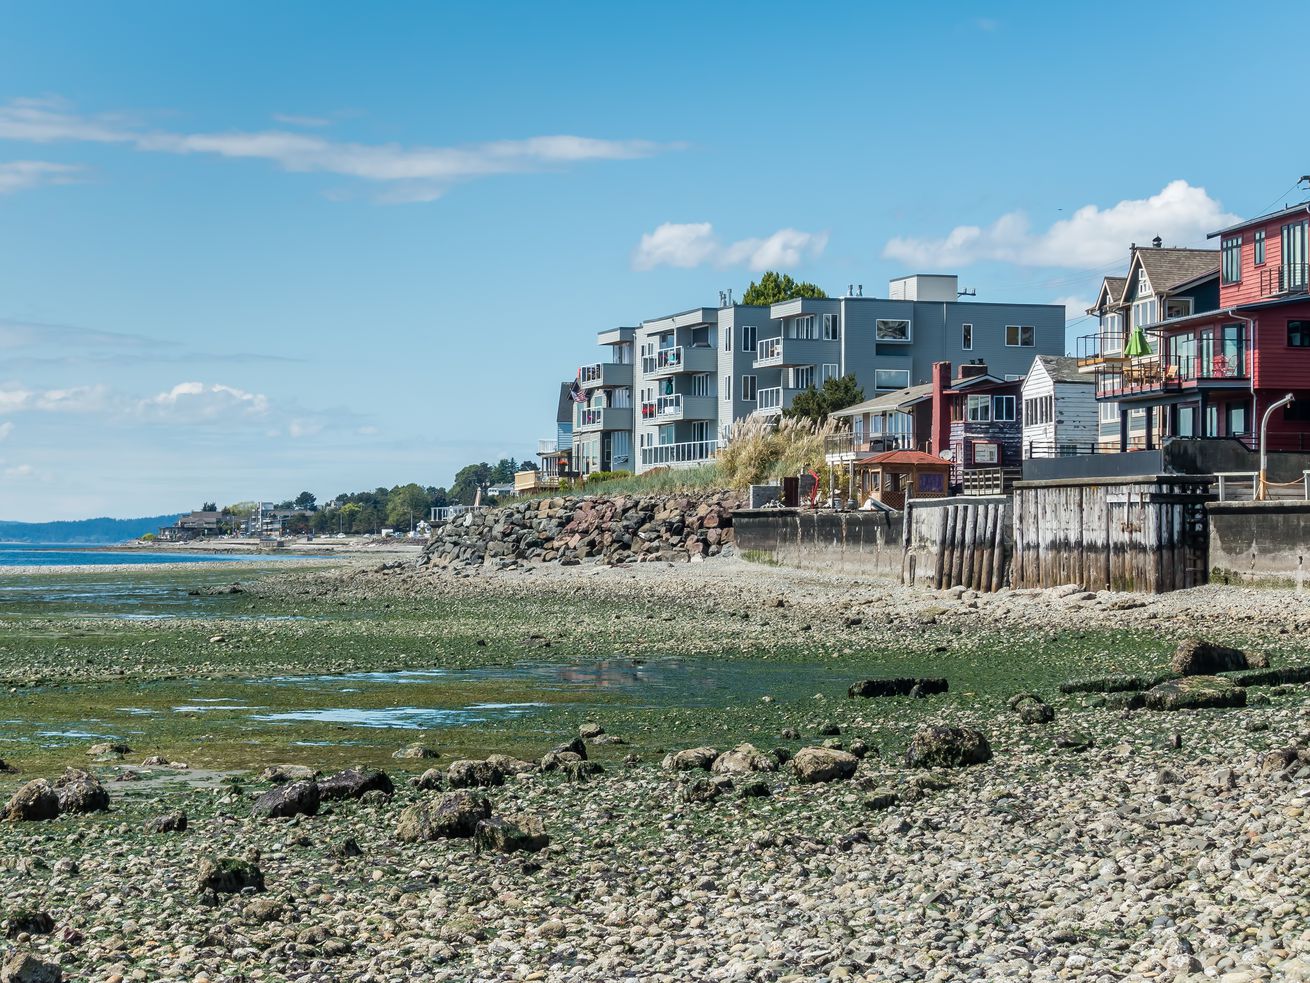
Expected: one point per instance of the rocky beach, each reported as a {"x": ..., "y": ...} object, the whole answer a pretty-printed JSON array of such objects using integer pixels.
[{"x": 717, "y": 770}]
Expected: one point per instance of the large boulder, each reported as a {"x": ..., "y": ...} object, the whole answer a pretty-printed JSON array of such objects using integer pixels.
[
  {"x": 524, "y": 833},
  {"x": 353, "y": 783},
  {"x": 228, "y": 875},
  {"x": 925, "y": 686},
  {"x": 690, "y": 759},
  {"x": 742, "y": 759},
  {"x": 820, "y": 764},
  {"x": 454, "y": 815},
  {"x": 1194, "y": 657},
  {"x": 474, "y": 774},
  {"x": 23, "y": 967},
  {"x": 1195, "y": 693},
  {"x": 28, "y": 921},
  {"x": 511, "y": 766},
  {"x": 947, "y": 747},
  {"x": 293, "y": 799},
  {"x": 416, "y": 752},
  {"x": 80, "y": 792},
  {"x": 169, "y": 822},
  {"x": 281, "y": 774},
  {"x": 1031, "y": 708},
  {"x": 36, "y": 800}
]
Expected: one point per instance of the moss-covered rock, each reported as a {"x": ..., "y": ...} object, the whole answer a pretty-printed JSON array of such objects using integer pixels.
[
  {"x": 947, "y": 747},
  {"x": 1196, "y": 693}
]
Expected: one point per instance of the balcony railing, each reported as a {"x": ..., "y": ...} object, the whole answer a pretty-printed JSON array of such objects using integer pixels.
[
  {"x": 662, "y": 406},
  {"x": 1162, "y": 374},
  {"x": 768, "y": 399},
  {"x": 672, "y": 455},
  {"x": 863, "y": 444},
  {"x": 590, "y": 374},
  {"x": 768, "y": 351},
  {"x": 547, "y": 447},
  {"x": 1291, "y": 278},
  {"x": 1076, "y": 448},
  {"x": 1097, "y": 349},
  {"x": 662, "y": 360},
  {"x": 590, "y": 418}
]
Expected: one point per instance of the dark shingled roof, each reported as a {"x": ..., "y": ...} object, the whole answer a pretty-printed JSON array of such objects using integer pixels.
[
  {"x": 1167, "y": 268},
  {"x": 1062, "y": 368},
  {"x": 564, "y": 413}
]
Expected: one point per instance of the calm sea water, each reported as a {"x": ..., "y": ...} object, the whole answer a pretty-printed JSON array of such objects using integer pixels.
[{"x": 22, "y": 555}]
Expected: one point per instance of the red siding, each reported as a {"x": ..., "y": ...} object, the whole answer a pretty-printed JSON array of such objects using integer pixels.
[{"x": 1248, "y": 291}]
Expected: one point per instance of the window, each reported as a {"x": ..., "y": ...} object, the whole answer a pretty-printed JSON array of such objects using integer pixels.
[
  {"x": 647, "y": 438},
  {"x": 1109, "y": 412},
  {"x": 831, "y": 327},
  {"x": 803, "y": 377},
  {"x": 804, "y": 329},
  {"x": 984, "y": 452},
  {"x": 888, "y": 330},
  {"x": 1230, "y": 266},
  {"x": 700, "y": 384},
  {"x": 1013, "y": 377},
  {"x": 1298, "y": 334},
  {"x": 978, "y": 409},
  {"x": 1143, "y": 313},
  {"x": 1299, "y": 410},
  {"x": 727, "y": 337},
  {"x": 1019, "y": 336},
  {"x": 748, "y": 337},
  {"x": 727, "y": 388},
  {"x": 748, "y": 385},
  {"x": 1004, "y": 409},
  {"x": 1258, "y": 246},
  {"x": 1236, "y": 419},
  {"x": 891, "y": 378},
  {"x": 966, "y": 337},
  {"x": 829, "y": 371},
  {"x": 1143, "y": 285}
]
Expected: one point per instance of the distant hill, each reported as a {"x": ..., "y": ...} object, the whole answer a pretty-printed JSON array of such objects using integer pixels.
[{"x": 88, "y": 531}]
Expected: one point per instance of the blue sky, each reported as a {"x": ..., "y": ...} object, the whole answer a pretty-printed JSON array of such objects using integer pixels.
[{"x": 248, "y": 249}]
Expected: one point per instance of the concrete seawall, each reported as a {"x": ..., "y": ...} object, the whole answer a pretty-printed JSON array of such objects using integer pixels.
[
  {"x": 866, "y": 543},
  {"x": 1259, "y": 542}
]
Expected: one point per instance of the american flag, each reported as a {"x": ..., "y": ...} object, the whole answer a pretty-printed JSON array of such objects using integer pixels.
[{"x": 576, "y": 394}]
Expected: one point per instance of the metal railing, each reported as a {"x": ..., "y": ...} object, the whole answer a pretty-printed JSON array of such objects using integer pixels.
[
  {"x": 1074, "y": 448},
  {"x": 590, "y": 417},
  {"x": 1275, "y": 442},
  {"x": 653, "y": 409},
  {"x": 1093, "y": 349},
  {"x": 1290, "y": 278},
  {"x": 1240, "y": 486},
  {"x": 665, "y": 358},
  {"x": 691, "y": 452},
  {"x": 842, "y": 444},
  {"x": 990, "y": 481}
]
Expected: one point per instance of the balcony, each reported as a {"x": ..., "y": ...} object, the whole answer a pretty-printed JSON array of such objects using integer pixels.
[
  {"x": 843, "y": 448},
  {"x": 774, "y": 400},
  {"x": 773, "y": 352},
  {"x": 671, "y": 361},
  {"x": 1161, "y": 374},
  {"x": 546, "y": 448},
  {"x": 1098, "y": 350},
  {"x": 605, "y": 375},
  {"x": 685, "y": 455},
  {"x": 670, "y": 409},
  {"x": 1277, "y": 281},
  {"x": 604, "y": 418}
]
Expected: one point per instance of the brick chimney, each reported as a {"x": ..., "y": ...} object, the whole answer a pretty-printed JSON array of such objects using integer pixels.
[{"x": 941, "y": 407}]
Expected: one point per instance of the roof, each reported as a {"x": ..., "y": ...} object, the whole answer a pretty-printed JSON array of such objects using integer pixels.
[
  {"x": 1111, "y": 293},
  {"x": 909, "y": 458},
  {"x": 887, "y": 401},
  {"x": 1290, "y": 210},
  {"x": 1167, "y": 267},
  {"x": 564, "y": 412},
  {"x": 985, "y": 378},
  {"x": 1062, "y": 368}
]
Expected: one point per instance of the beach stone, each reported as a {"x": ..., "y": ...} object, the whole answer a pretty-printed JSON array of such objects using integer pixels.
[
  {"x": 1118, "y": 683},
  {"x": 353, "y": 783},
  {"x": 502, "y": 835},
  {"x": 23, "y": 967},
  {"x": 704, "y": 790},
  {"x": 1031, "y": 708},
  {"x": 228, "y": 875},
  {"x": 947, "y": 747},
  {"x": 473, "y": 774},
  {"x": 431, "y": 780},
  {"x": 80, "y": 792},
  {"x": 294, "y": 799},
  {"x": 281, "y": 774},
  {"x": 576, "y": 746},
  {"x": 170, "y": 822},
  {"x": 454, "y": 815},
  {"x": 754, "y": 787},
  {"x": 263, "y": 910},
  {"x": 28, "y": 921},
  {"x": 1195, "y": 693},
  {"x": 107, "y": 748},
  {"x": 511, "y": 766},
  {"x": 558, "y": 760},
  {"x": 589, "y": 731},
  {"x": 901, "y": 686},
  {"x": 415, "y": 752},
  {"x": 742, "y": 759},
  {"x": 1194, "y": 657},
  {"x": 345, "y": 848},
  {"x": 690, "y": 759},
  {"x": 815, "y": 764},
  {"x": 35, "y": 801}
]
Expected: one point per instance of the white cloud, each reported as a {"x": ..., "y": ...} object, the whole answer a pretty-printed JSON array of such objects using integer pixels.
[
  {"x": 424, "y": 172},
  {"x": 1180, "y": 214},
  {"x": 694, "y": 243},
  {"x": 1074, "y": 307},
  {"x": 201, "y": 401},
  {"x": 20, "y": 471},
  {"x": 6, "y": 429},
  {"x": 20, "y": 175},
  {"x": 78, "y": 399},
  {"x": 302, "y": 427}
]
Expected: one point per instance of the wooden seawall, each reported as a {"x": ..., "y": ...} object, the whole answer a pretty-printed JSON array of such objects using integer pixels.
[
  {"x": 958, "y": 541},
  {"x": 1146, "y": 533}
]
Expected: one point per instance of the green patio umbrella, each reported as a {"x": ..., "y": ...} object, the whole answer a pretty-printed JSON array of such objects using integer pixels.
[{"x": 1137, "y": 344}]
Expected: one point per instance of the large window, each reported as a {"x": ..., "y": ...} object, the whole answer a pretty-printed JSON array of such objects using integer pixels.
[
  {"x": 978, "y": 409},
  {"x": 1144, "y": 313},
  {"x": 1020, "y": 336},
  {"x": 831, "y": 327},
  {"x": 1230, "y": 266},
  {"x": 829, "y": 371},
  {"x": 1258, "y": 246},
  {"x": 748, "y": 337},
  {"x": 889, "y": 330},
  {"x": 1298, "y": 334},
  {"x": 891, "y": 378},
  {"x": 1003, "y": 410},
  {"x": 803, "y": 377},
  {"x": 804, "y": 328},
  {"x": 748, "y": 384},
  {"x": 966, "y": 337},
  {"x": 701, "y": 385}
]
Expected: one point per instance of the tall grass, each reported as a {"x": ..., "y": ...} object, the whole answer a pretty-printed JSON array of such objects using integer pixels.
[{"x": 760, "y": 450}]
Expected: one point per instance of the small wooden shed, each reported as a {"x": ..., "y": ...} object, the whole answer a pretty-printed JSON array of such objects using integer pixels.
[{"x": 894, "y": 476}]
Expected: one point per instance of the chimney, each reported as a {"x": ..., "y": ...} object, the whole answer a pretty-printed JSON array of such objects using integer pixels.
[
  {"x": 974, "y": 368},
  {"x": 941, "y": 407},
  {"x": 1157, "y": 242}
]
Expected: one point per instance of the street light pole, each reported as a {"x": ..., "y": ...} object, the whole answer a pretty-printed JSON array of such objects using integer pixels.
[{"x": 1261, "y": 492}]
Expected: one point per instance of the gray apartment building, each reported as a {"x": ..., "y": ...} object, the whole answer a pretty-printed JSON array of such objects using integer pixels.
[
  {"x": 697, "y": 372},
  {"x": 603, "y": 425}
]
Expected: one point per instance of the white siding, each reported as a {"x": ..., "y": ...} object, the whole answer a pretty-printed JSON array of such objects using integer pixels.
[{"x": 1073, "y": 421}]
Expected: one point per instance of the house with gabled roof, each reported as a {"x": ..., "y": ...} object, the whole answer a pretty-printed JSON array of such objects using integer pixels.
[{"x": 1059, "y": 408}]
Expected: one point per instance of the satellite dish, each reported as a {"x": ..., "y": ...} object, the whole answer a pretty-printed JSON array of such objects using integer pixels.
[{"x": 947, "y": 455}]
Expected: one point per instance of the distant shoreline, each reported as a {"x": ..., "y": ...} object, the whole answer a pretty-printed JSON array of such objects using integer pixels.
[{"x": 324, "y": 547}]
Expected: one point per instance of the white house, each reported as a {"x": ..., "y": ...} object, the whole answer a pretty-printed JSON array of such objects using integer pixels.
[{"x": 1059, "y": 409}]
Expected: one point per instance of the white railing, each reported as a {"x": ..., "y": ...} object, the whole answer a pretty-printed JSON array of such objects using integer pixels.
[
  {"x": 768, "y": 350},
  {"x": 444, "y": 513},
  {"x": 589, "y": 374},
  {"x": 768, "y": 399},
  {"x": 692, "y": 452},
  {"x": 669, "y": 405},
  {"x": 547, "y": 447},
  {"x": 590, "y": 417},
  {"x": 665, "y": 358}
]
